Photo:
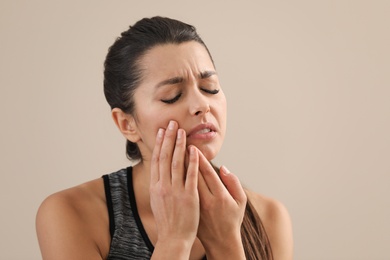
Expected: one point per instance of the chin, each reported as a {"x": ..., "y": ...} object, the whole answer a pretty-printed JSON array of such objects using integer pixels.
[{"x": 209, "y": 152}]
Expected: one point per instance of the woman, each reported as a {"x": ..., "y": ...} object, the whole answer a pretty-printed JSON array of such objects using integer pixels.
[{"x": 161, "y": 84}]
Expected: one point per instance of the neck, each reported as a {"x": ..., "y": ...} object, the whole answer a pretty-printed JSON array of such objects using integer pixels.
[{"x": 141, "y": 183}]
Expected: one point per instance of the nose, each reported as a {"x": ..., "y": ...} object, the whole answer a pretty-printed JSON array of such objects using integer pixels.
[{"x": 199, "y": 104}]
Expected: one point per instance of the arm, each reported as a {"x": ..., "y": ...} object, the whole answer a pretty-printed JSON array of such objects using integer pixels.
[{"x": 62, "y": 232}]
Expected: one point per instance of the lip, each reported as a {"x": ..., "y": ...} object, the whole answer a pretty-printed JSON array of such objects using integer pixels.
[{"x": 194, "y": 132}]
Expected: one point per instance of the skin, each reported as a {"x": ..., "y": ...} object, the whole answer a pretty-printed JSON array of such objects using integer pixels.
[{"x": 186, "y": 209}]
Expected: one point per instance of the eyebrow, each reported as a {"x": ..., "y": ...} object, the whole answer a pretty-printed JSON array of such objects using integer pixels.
[
  {"x": 177, "y": 80},
  {"x": 171, "y": 81},
  {"x": 207, "y": 74}
]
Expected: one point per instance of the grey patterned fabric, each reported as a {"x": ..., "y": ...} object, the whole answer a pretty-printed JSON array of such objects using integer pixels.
[{"x": 128, "y": 237}]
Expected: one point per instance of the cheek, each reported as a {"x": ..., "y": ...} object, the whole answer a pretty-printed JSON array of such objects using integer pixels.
[
  {"x": 222, "y": 109},
  {"x": 150, "y": 123},
  {"x": 222, "y": 115}
]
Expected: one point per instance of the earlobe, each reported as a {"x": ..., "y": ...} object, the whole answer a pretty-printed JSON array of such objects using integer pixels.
[{"x": 126, "y": 124}]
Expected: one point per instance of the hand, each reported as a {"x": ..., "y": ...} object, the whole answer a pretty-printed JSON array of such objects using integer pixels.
[
  {"x": 173, "y": 188},
  {"x": 222, "y": 207}
]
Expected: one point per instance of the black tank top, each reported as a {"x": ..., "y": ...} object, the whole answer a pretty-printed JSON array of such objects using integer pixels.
[{"x": 128, "y": 237}]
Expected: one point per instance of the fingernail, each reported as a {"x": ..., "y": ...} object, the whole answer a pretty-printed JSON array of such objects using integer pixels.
[
  {"x": 179, "y": 134},
  {"x": 171, "y": 125},
  {"x": 225, "y": 170},
  {"x": 160, "y": 133}
]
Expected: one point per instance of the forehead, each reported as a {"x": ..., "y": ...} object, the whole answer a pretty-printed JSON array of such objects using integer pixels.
[{"x": 176, "y": 60}]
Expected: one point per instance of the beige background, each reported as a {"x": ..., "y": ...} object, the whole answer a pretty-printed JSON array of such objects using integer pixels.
[{"x": 308, "y": 89}]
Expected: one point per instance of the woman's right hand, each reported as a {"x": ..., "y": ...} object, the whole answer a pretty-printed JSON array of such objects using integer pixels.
[{"x": 173, "y": 193}]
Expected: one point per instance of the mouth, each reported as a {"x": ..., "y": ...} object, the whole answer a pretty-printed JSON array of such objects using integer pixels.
[{"x": 202, "y": 131}]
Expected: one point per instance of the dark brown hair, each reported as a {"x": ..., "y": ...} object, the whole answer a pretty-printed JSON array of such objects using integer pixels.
[{"x": 122, "y": 75}]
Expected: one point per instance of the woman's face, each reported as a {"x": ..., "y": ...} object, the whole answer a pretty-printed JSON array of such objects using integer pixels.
[{"x": 180, "y": 83}]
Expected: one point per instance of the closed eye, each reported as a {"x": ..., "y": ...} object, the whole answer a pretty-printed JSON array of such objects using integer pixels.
[
  {"x": 214, "y": 91},
  {"x": 173, "y": 100}
]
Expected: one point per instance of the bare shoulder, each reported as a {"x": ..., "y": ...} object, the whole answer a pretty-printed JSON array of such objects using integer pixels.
[
  {"x": 73, "y": 223},
  {"x": 277, "y": 223}
]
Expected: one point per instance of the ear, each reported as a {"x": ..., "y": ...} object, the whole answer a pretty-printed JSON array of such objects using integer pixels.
[{"x": 126, "y": 124}]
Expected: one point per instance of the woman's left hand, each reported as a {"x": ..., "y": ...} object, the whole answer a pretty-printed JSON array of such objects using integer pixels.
[{"x": 222, "y": 207}]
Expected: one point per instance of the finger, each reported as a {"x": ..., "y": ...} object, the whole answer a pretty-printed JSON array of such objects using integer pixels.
[
  {"x": 191, "y": 181},
  {"x": 233, "y": 185},
  {"x": 178, "y": 173},
  {"x": 166, "y": 152},
  {"x": 187, "y": 158},
  {"x": 154, "y": 173},
  {"x": 211, "y": 178},
  {"x": 203, "y": 189}
]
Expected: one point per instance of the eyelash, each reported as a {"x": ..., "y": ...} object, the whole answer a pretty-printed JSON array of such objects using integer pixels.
[
  {"x": 173, "y": 100},
  {"x": 176, "y": 98}
]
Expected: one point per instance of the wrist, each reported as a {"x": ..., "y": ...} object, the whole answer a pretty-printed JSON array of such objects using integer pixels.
[
  {"x": 166, "y": 248},
  {"x": 229, "y": 248}
]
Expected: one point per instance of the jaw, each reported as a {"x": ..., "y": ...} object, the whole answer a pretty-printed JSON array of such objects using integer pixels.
[{"x": 209, "y": 150}]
